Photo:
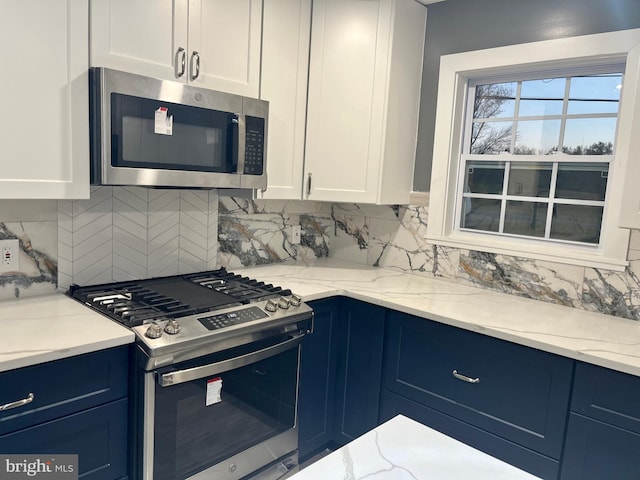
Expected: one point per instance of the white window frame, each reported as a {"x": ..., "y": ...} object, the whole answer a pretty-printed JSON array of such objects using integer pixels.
[{"x": 455, "y": 72}]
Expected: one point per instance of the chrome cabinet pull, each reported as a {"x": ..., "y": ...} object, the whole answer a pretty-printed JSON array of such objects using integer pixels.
[
  {"x": 182, "y": 55},
  {"x": 309, "y": 185},
  {"x": 464, "y": 378},
  {"x": 17, "y": 403},
  {"x": 195, "y": 60}
]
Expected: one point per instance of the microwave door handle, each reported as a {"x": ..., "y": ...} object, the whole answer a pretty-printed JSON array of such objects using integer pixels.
[
  {"x": 241, "y": 142},
  {"x": 189, "y": 374}
]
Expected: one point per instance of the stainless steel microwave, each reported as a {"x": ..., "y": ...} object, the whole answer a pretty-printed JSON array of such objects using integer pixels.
[{"x": 159, "y": 133}]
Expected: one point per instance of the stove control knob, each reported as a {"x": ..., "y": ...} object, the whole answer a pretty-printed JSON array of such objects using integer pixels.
[
  {"x": 295, "y": 300},
  {"x": 271, "y": 306},
  {"x": 154, "y": 331},
  {"x": 172, "y": 327},
  {"x": 283, "y": 303}
]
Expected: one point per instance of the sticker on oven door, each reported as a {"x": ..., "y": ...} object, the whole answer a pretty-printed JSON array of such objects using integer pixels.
[
  {"x": 214, "y": 387},
  {"x": 163, "y": 124}
]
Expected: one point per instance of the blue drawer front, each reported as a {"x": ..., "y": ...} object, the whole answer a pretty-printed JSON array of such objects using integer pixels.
[
  {"x": 522, "y": 394},
  {"x": 63, "y": 387},
  {"x": 98, "y": 436}
]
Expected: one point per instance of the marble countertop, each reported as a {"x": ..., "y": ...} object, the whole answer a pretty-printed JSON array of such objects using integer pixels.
[
  {"x": 404, "y": 449},
  {"x": 591, "y": 337},
  {"x": 51, "y": 327},
  {"x": 40, "y": 329}
]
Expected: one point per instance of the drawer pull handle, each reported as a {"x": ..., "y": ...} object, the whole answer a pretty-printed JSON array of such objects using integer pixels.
[
  {"x": 464, "y": 378},
  {"x": 17, "y": 403}
]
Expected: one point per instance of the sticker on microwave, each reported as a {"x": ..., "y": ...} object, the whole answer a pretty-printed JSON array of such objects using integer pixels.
[
  {"x": 163, "y": 124},
  {"x": 214, "y": 389}
]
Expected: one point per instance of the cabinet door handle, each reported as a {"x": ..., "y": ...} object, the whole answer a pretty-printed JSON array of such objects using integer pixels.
[
  {"x": 309, "y": 185},
  {"x": 195, "y": 61},
  {"x": 17, "y": 403},
  {"x": 181, "y": 54},
  {"x": 464, "y": 378}
]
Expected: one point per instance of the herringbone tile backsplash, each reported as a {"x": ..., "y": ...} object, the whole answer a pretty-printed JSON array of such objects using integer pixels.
[{"x": 127, "y": 233}]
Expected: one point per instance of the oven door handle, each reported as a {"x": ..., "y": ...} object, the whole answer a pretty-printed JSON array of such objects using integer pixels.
[{"x": 189, "y": 374}]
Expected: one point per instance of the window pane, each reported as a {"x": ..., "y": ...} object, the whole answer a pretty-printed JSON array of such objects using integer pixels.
[
  {"x": 537, "y": 137},
  {"x": 595, "y": 94},
  {"x": 552, "y": 88},
  {"x": 582, "y": 181},
  {"x": 589, "y": 136},
  {"x": 530, "y": 179},
  {"x": 542, "y": 97},
  {"x": 579, "y": 223},
  {"x": 494, "y": 100},
  {"x": 484, "y": 177},
  {"x": 525, "y": 218},
  {"x": 491, "y": 137},
  {"x": 535, "y": 108},
  {"x": 480, "y": 214}
]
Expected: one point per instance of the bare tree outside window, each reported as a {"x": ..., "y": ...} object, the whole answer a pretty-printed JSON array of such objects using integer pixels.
[{"x": 489, "y": 102}]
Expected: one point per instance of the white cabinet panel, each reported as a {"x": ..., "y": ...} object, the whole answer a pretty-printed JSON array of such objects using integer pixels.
[
  {"x": 342, "y": 77},
  {"x": 139, "y": 36},
  {"x": 285, "y": 62},
  {"x": 44, "y": 134},
  {"x": 227, "y": 36},
  {"x": 365, "y": 71},
  {"x": 168, "y": 38}
]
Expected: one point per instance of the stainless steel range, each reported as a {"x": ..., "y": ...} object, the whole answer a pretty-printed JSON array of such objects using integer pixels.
[{"x": 214, "y": 386}]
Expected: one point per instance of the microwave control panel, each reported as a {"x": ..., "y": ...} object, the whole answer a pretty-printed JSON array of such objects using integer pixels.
[{"x": 254, "y": 154}]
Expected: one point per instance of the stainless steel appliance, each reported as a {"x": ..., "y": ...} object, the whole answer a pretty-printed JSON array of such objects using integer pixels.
[
  {"x": 151, "y": 132},
  {"x": 216, "y": 377}
]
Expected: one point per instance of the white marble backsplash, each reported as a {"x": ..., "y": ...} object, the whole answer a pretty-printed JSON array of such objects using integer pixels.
[
  {"x": 394, "y": 237},
  {"x": 37, "y": 267},
  {"x": 257, "y": 232},
  {"x": 125, "y": 233}
]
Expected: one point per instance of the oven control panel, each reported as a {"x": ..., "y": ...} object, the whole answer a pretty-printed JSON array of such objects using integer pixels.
[{"x": 222, "y": 320}]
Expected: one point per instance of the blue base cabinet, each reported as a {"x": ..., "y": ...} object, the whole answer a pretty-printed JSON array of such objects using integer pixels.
[
  {"x": 79, "y": 406},
  {"x": 97, "y": 435},
  {"x": 317, "y": 379},
  {"x": 340, "y": 374},
  {"x": 546, "y": 414},
  {"x": 603, "y": 437},
  {"x": 393, "y": 404},
  {"x": 503, "y": 398},
  {"x": 359, "y": 369}
]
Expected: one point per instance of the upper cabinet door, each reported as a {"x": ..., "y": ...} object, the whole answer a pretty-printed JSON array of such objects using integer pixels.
[
  {"x": 139, "y": 36},
  {"x": 364, "y": 93},
  {"x": 44, "y": 134},
  {"x": 344, "y": 78},
  {"x": 285, "y": 63},
  {"x": 225, "y": 40}
]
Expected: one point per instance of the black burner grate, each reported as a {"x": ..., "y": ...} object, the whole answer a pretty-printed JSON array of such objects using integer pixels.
[{"x": 137, "y": 302}]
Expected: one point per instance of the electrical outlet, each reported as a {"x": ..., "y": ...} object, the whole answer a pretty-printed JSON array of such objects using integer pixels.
[
  {"x": 296, "y": 232},
  {"x": 9, "y": 251}
]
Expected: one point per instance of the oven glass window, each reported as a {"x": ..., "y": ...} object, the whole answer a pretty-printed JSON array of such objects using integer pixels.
[
  {"x": 162, "y": 135},
  {"x": 256, "y": 403}
]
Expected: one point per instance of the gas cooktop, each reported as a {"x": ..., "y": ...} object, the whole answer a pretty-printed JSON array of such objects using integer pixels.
[
  {"x": 138, "y": 302},
  {"x": 187, "y": 312}
]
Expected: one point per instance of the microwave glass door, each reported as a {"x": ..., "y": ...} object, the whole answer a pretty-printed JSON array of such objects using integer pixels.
[
  {"x": 202, "y": 422},
  {"x": 152, "y": 134}
]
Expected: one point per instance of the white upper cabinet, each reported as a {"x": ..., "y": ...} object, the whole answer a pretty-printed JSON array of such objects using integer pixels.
[
  {"x": 285, "y": 63},
  {"x": 44, "y": 134},
  {"x": 212, "y": 43},
  {"x": 363, "y": 101}
]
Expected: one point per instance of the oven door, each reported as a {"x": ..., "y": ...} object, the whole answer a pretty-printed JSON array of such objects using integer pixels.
[{"x": 222, "y": 416}]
